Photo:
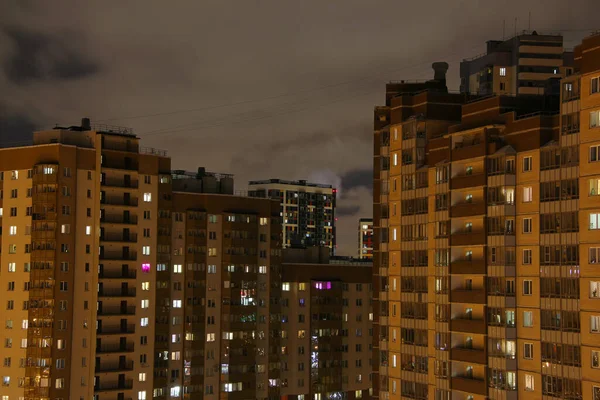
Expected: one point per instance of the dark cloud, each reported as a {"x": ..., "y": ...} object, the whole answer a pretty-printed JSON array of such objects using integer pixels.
[
  {"x": 38, "y": 56},
  {"x": 345, "y": 211},
  {"x": 357, "y": 178},
  {"x": 15, "y": 130}
]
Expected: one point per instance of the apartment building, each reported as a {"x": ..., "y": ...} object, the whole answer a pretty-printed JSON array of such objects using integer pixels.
[
  {"x": 125, "y": 281},
  {"x": 307, "y": 210},
  {"x": 326, "y": 330},
  {"x": 522, "y": 64},
  {"x": 365, "y": 238},
  {"x": 485, "y": 242}
]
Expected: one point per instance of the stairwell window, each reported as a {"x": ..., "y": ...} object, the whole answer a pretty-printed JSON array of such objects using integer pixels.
[
  {"x": 527, "y": 225},
  {"x": 147, "y": 197},
  {"x": 502, "y": 71},
  {"x": 529, "y": 385},
  {"x": 595, "y": 119},
  {"x": 527, "y": 194},
  {"x": 527, "y": 163},
  {"x": 527, "y": 319},
  {"x": 527, "y": 256},
  {"x": 527, "y": 288},
  {"x": 595, "y": 221},
  {"x": 528, "y": 351},
  {"x": 595, "y": 289},
  {"x": 595, "y": 85}
]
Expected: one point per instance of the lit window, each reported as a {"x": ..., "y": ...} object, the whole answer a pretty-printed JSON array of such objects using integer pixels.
[
  {"x": 177, "y": 268},
  {"x": 595, "y": 359},
  {"x": 529, "y": 383},
  {"x": 527, "y": 319},
  {"x": 176, "y": 303},
  {"x": 145, "y": 303},
  {"x": 262, "y": 269},
  {"x": 13, "y": 230},
  {"x": 210, "y": 337},
  {"x": 263, "y": 221},
  {"x": 595, "y": 119},
  {"x": 502, "y": 71},
  {"x": 395, "y": 232},
  {"x": 302, "y": 286},
  {"x": 212, "y": 252},
  {"x": 142, "y": 377},
  {"x": 285, "y": 286},
  {"x": 146, "y": 250},
  {"x": 146, "y": 267},
  {"x": 12, "y": 267},
  {"x": 175, "y": 355},
  {"x": 595, "y": 289},
  {"x": 144, "y": 321},
  {"x": 145, "y": 285},
  {"x": 595, "y": 323},
  {"x": 142, "y": 395},
  {"x": 176, "y": 391},
  {"x": 395, "y": 159},
  {"x": 212, "y": 269},
  {"x": 147, "y": 197},
  {"x": 594, "y": 187},
  {"x": 527, "y": 194},
  {"x": 595, "y": 221}
]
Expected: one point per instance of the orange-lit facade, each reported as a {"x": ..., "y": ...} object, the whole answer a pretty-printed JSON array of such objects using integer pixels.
[
  {"x": 123, "y": 280},
  {"x": 486, "y": 237}
]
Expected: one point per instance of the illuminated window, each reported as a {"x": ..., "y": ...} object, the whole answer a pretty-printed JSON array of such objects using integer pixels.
[
  {"x": 146, "y": 267},
  {"x": 13, "y": 230},
  {"x": 285, "y": 286},
  {"x": 529, "y": 386},
  {"x": 146, "y": 250},
  {"x": 595, "y": 289},
  {"x": 144, "y": 321},
  {"x": 527, "y": 319},
  {"x": 147, "y": 197},
  {"x": 527, "y": 194},
  {"x": 502, "y": 71},
  {"x": 145, "y": 303},
  {"x": 142, "y": 377},
  {"x": 302, "y": 286},
  {"x": 88, "y": 230},
  {"x": 145, "y": 285},
  {"x": 177, "y": 268},
  {"x": 176, "y": 303},
  {"x": 210, "y": 337},
  {"x": 263, "y": 221}
]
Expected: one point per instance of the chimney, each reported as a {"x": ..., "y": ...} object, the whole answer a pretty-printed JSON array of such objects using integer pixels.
[
  {"x": 440, "y": 69},
  {"x": 85, "y": 124}
]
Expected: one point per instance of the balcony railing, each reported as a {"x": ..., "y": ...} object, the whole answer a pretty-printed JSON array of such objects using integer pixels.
[
  {"x": 469, "y": 385},
  {"x": 466, "y": 181},
  {"x": 116, "y": 330},
  {"x": 468, "y": 325},
  {"x": 467, "y": 209},
  {"x": 114, "y": 386},
  {"x": 117, "y": 292},
  {"x": 115, "y": 348},
  {"x": 466, "y": 238},
  {"x": 475, "y": 296},
  {"x": 468, "y": 266},
  {"x": 115, "y": 367},
  {"x": 468, "y": 355},
  {"x": 108, "y": 311}
]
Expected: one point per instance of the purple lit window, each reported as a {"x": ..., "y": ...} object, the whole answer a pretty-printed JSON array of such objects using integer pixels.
[
  {"x": 323, "y": 285},
  {"x": 301, "y": 302},
  {"x": 146, "y": 268}
]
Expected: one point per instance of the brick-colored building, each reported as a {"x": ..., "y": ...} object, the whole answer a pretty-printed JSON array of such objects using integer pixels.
[
  {"x": 486, "y": 237},
  {"x": 125, "y": 281},
  {"x": 326, "y": 330}
]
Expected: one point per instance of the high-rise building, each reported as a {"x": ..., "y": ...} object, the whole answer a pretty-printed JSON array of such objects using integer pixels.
[
  {"x": 485, "y": 225},
  {"x": 307, "y": 210},
  {"x": 518, "y": 65},
  {"x": 365, "y": 238},
  {"x": 123, "y": 281},
  {"x": 326, "y": 330}
]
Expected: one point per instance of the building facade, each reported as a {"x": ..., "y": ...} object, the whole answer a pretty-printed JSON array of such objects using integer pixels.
[
  {"x": 518, "y": 65},
  {"x": 486, "y": 231},
  {"x": 365, "y": 238},
  {"x": 307, "y": 210},
  {"x": 326, "y": 330},
  {"x": 124, "y": 281}
]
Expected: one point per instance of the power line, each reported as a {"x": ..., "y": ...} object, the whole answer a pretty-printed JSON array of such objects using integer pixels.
[{"x": 229, "y": 118}]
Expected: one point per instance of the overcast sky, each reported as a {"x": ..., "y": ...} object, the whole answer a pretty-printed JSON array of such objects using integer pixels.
[{"x": 261, "y": 89}]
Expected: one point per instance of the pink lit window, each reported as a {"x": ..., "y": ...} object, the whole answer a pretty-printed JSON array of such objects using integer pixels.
[{"x": 145, "y": 267}]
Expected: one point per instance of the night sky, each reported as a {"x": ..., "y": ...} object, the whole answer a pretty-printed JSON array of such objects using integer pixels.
[{"x": 260, "y": 89}]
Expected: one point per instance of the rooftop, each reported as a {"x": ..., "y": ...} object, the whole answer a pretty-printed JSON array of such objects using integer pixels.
[{"x": 290, "y": 183}]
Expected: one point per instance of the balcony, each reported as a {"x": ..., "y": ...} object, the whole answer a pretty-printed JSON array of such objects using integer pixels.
[
  {"x": 469, "y": 385},
  {"x": 472, "y": 150},
  {"x": 109, "y": 311},
  {"x": 474, "y": 296},
  {"x": 114, "y": 348},
  {"x": 467, "y": 209},
  {"x": 463, "y": 238},
  {"x": 128, "y": 274},
  {"x": 114, "y": 386},
  {"x": 115, "y": 367},
  {"x": 118, "y": 219},
  {"x": 118, "y": 256},
  {"x": 118, "y": 202},
  {"x": 467, "y": 355},
  {"x": 468, "y": 267},
  {"x": 131, "y": 238},
  {"x": 467, "y": 181},
  {"x": 116, "y": 330},
  {"x": 117, "y": 292},
  {"x": 465, "y": 325}
]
